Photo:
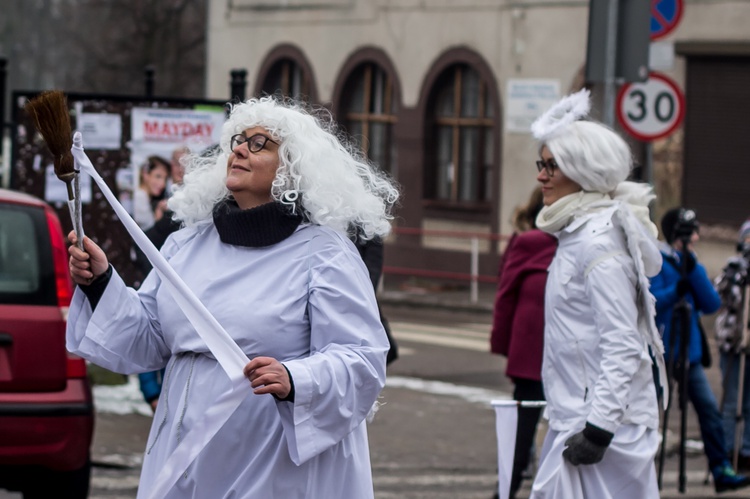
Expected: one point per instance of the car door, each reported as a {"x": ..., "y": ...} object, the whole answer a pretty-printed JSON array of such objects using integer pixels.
[{"x": 32, "y": 326}]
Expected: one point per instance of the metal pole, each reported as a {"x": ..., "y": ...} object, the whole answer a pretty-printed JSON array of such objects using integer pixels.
[
  {"x": 238, "y": 84},
  {"x": 610, "y": 64},
  {"x": 474, "y": 269},
  {"x": 648, "y": 163},
  {"x": 671, "y": 378},
  {"x": 682, "y": 478},
  {"x": 685, "y": 309},
  {"x": 148, "y": 74},
  {"x": 739, "y": 421},
  {"x": 3, "y": 78},
  {"x": 7, "y": 143}
]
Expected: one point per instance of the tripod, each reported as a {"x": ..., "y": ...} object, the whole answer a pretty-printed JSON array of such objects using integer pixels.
[
  {"x": 740, "y": 420},
  {"x": 739, "y": 352},
  {"x": 681, "y": 313}
]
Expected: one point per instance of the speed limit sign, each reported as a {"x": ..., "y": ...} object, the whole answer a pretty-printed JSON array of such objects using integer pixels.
[{"x": 652, "y": 109}]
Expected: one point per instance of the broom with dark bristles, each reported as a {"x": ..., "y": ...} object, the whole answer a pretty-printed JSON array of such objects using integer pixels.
[{"x": 51, "y": 118}]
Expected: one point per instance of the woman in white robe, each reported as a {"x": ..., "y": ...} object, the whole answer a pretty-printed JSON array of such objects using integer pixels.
[
  {"x": 600, "y": 335},
  {"x": 265, "y": 249}
]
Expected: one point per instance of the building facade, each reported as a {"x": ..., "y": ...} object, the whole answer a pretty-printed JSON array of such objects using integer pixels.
[{"x": 434, "y": 91}]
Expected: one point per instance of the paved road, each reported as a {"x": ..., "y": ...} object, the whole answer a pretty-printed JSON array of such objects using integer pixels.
[{"x": 434, "y": 437}]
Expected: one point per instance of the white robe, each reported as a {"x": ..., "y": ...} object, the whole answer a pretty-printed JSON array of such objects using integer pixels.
[
  {"x": 306, "y": 301},
  {"x": 626, "y": 472}
]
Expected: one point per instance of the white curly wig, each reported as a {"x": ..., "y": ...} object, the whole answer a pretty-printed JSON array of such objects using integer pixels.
[{"x": 320, "y": 175}]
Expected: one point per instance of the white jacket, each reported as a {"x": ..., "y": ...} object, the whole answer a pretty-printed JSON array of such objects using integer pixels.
[{"x": 596, "y": 364}]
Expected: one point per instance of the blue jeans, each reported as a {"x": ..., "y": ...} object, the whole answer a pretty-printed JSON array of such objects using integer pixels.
[
  {"x": 709, "y": 417},
  {"x": 730, "y": 365}
]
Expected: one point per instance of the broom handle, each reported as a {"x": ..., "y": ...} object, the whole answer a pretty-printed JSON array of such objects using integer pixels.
[{"x": 77, "y": 210}]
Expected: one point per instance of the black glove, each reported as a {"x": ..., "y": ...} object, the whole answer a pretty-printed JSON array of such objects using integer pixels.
[
  {"x": 587, "y": 446},
  {"x": 683, "y": 287}
]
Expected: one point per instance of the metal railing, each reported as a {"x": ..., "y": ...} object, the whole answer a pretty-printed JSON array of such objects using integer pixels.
[{"x": 473, "y": 276}]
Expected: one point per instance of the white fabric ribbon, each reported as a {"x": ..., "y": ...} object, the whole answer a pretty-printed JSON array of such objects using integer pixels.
[
  {"x": 229, "y": 355},
  {"x": 506, "y": 426}
]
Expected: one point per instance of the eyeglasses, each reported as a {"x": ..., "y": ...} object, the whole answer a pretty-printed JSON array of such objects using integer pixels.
[
  {"x": 255, "y": 143},
  {"x": 548, "y": 165}
]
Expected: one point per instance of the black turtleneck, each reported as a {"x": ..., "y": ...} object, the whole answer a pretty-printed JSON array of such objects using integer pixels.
[{"x": 264, "y": 225}]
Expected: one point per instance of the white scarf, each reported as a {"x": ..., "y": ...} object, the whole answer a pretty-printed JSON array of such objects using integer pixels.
[{"x": 559, "y": 214}]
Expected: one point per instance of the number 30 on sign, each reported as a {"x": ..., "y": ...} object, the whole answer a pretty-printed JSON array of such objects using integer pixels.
[{"x": 651, "y": 110}]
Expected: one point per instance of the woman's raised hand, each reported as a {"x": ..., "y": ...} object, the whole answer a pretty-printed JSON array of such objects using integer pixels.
[{"x": 85, "y": 266}]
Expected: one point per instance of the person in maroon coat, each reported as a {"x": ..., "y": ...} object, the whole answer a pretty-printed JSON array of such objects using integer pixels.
[{"x": 518, "y": 321}]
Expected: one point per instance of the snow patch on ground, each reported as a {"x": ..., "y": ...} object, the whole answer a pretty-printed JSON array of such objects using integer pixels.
[
  {"x": 121, "y": 399},
  {"x": 468, "y": 393}
]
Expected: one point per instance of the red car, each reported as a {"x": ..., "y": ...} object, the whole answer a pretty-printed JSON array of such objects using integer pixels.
[{"x": 46, "y": 408}]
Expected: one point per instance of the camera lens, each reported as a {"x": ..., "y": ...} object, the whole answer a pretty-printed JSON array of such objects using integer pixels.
[{"x": 687, "y": 216}]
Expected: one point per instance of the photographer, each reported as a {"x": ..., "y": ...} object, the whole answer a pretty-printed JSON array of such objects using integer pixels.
[
  {"x": 729, "y": 330},
  {"x": 669, "y": 287}
]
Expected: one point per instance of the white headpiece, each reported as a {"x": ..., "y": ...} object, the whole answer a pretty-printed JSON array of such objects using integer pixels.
[
  {"x": 588, "y": 152},
  {"x": 558, "y": 117}
]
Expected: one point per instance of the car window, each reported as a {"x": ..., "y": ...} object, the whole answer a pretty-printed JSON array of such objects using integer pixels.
[{"x": 25, "y": 257}]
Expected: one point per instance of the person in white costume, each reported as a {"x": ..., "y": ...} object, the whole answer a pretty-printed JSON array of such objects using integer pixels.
[
  {"x": 600, "y": 338},
  {"x": 264, "y": 247}
]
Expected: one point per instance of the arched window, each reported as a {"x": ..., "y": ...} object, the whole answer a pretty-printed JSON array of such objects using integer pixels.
[
  {"x": 459, "y": 139},
  {"x": 369, "y": 111},
  {"x": 287, "y": 78}
]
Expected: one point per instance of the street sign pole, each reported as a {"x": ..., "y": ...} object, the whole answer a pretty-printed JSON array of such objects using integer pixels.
[
  {"x": 648, "y": 163},
  {"x": 665, "y": 16},
  {"x": 610, "y": 64},
  {"x": 617, "y": 49}
]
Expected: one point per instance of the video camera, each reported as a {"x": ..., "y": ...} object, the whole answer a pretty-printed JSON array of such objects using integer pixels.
[
  {"x": 744, "y": 249},
  {"x": 686, "y": 224}
]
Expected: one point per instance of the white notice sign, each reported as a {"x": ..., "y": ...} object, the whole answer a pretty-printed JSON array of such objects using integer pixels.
[
  {"x": 100, "y": 130},
  {"x": 56, "y": 191},
  {"x": 527, "y": 100}
]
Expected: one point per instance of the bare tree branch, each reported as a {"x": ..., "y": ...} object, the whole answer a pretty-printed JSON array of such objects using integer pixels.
[{"x": 103, "y": 45}]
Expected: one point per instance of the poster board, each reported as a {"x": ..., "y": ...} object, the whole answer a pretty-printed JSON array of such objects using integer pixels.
[{"x": 116, "y": 149}]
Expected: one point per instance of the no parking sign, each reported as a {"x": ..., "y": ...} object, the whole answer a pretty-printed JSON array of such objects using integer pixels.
[
  {"x": 651, "y": 110},
  {"x": 665, "y": 16}
]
